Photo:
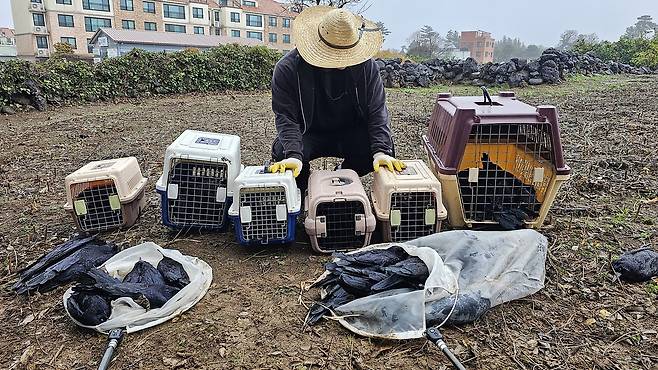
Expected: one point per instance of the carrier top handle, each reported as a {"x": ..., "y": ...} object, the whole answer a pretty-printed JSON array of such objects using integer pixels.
[
  {"x": 114, "y": 339},
  {"x": 486, "y": 95},
  {"x": 434, "y": 336}
]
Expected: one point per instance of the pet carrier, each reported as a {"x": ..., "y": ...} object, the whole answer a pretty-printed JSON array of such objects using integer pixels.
[
  {"x": 339, "y": 216},
  {"x": 408, "y": 203},
  {"x": 106, "y": 195},
  {"x": 196, "y": 186},
  {"x": 495, "y": 159},
  {"x": 266, "y": 206}
]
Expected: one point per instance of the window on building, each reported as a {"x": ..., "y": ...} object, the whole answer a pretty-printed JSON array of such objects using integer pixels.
[
  {"x": 248, "y": 3},
  {"x": 199, "y": 31},
  {"x": 90, "y": 47},
  {"x": 150, "y": 26},
  {"x": 127, "y": 24},
  {"x": 272, "y": 21},
  {"x": 38, "y": 19},
  {"x": 92, "y": 24},
  {"x": 223, "y": 2},
  {"x": 197, "y": 12},
  {"x": 127, "y": 5},
  {"x": 149, "y": 7},
  {"x": 255, "y": 35},
  {"x": 254, "y": 20},
  {"x": 235, "y": 33},
  {"x": 235, "y": 17},
  {"x": 272, "y": 37},
  {"x": 99, "y": 5},
  {"x": 174, "y": 11},
  {"x": 179, "y": 28},
  {"x": 42, "y": 42},
  {"x": 63, "y": 2},
  {"x": 218, "y": 32},
  {"x": 286, "y": 22},
  {"x": 217, "y": 16},
  {"x": 286, "y": 38},
  {"x": 69, "y": 40},
  {"x": 65, "y": 20},
  {"x": 36, "y": 1}
]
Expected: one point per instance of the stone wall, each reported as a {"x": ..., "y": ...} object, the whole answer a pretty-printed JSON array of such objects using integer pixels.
[{"x": 551, "y": 68}]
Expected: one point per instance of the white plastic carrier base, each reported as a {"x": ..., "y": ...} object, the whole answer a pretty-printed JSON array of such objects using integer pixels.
[
  {"x": 196, "y": 186},
  {"x": 265, "y": 207}
]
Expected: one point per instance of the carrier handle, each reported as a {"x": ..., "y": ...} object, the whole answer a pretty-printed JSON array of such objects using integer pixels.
[{"x": 486, "y": 95}]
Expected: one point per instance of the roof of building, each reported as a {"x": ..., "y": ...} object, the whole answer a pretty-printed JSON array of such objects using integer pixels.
[
  {"x": 269, "y": 7},
  {"x": 7, "y": 32},
  {"x": 171, "y": 38}
]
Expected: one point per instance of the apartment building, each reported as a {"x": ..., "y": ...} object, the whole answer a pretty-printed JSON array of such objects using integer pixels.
[
  {"x": 265, "y": 20},
  {"x": 42, "y": 23},
  {"x": 7, "y": 43},
  {"x": 479, "y": 43}
]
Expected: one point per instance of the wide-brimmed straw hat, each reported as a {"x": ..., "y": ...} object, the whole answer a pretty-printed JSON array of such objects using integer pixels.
[{"x": 327, "y": 37}]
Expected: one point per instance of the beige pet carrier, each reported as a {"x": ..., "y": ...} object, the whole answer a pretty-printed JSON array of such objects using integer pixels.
[
  {"x": 106, "y": 195},
  {"x": 408, "y": 203},
  {"x": 339, "y": 216},
  {"x": 495, "y": 158}
]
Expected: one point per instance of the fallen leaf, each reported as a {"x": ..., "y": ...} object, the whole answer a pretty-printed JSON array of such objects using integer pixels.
[
  {"x": 27, "y": 353},
  {"x": 27, "y": 319},
  {"x": 222, "y": 352},
  {"x": 604, "y": 314},
  {"x": 305, "y": 347},
  {"x": 589, "y": 322}
]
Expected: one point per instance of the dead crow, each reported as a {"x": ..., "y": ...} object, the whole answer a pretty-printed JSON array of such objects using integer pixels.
[{"x": 66, "y": 269}]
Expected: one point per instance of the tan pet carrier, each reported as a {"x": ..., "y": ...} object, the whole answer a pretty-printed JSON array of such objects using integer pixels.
[
  {"x": 106, "y": 195},
  {"x": 408, "y": 203},
  {"x": 339, "y": 216},
  {"x": 499, "y": 160}
]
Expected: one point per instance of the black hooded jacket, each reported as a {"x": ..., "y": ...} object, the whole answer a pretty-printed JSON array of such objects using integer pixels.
[{"x": 293, "y": 100}]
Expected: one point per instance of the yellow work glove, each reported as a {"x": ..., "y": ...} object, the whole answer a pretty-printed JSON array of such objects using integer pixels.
[
  {"x": 293, "y": 164},
  {"x": 385, "y": 160}
]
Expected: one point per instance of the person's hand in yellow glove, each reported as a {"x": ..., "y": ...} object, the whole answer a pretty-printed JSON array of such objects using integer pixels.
[
  {"x": 385, "y": 160},
  {"x": 293, "y": 164}
]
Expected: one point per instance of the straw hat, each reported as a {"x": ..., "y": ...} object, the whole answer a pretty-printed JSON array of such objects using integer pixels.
[{"x": 327, "y": 37}]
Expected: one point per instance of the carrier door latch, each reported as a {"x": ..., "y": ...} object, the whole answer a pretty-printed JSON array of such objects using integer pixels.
[
  {"x": 245, "y": 214},
  {"x": 430, "y": 216},
  {"x": 172, "y": 191},
  {"x": 321, "y": 226},
  {"x": 221, "y": 195},
  {"x": 359, "y": 224},
  {"x": 281, "y": 212},
  {"x": 396, "y": 217},
  {"x": 80, "y": 207}
]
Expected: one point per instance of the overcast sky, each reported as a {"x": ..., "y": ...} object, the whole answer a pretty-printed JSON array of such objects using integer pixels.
[{"x": 534, "y": 22}]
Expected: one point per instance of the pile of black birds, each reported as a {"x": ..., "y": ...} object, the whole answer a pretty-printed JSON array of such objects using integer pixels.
[
  {"x": 148, "y": 286},
  {"x": 364, "y": 273},
  {"x": 64, "y": 264},
  {"x": 498, "y": 195}
]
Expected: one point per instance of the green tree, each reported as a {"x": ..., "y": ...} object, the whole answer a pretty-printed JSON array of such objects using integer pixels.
[
  {"x": 453, "y": 39},
  {"x": 508, "y": 48},
  {"x": 643, "y": 28},
  {"x": 382, "y": 27},
  {"x": 425, "y": 44}
]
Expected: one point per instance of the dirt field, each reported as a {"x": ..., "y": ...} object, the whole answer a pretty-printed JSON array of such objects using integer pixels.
[{"x": 252, "y": 315}]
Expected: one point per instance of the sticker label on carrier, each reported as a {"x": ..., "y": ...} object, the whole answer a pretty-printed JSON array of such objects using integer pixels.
[
  {"x": 172, "y": 191},
  {"x": 207, "y": 141},
  {"x": 80, "y": 207}
]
